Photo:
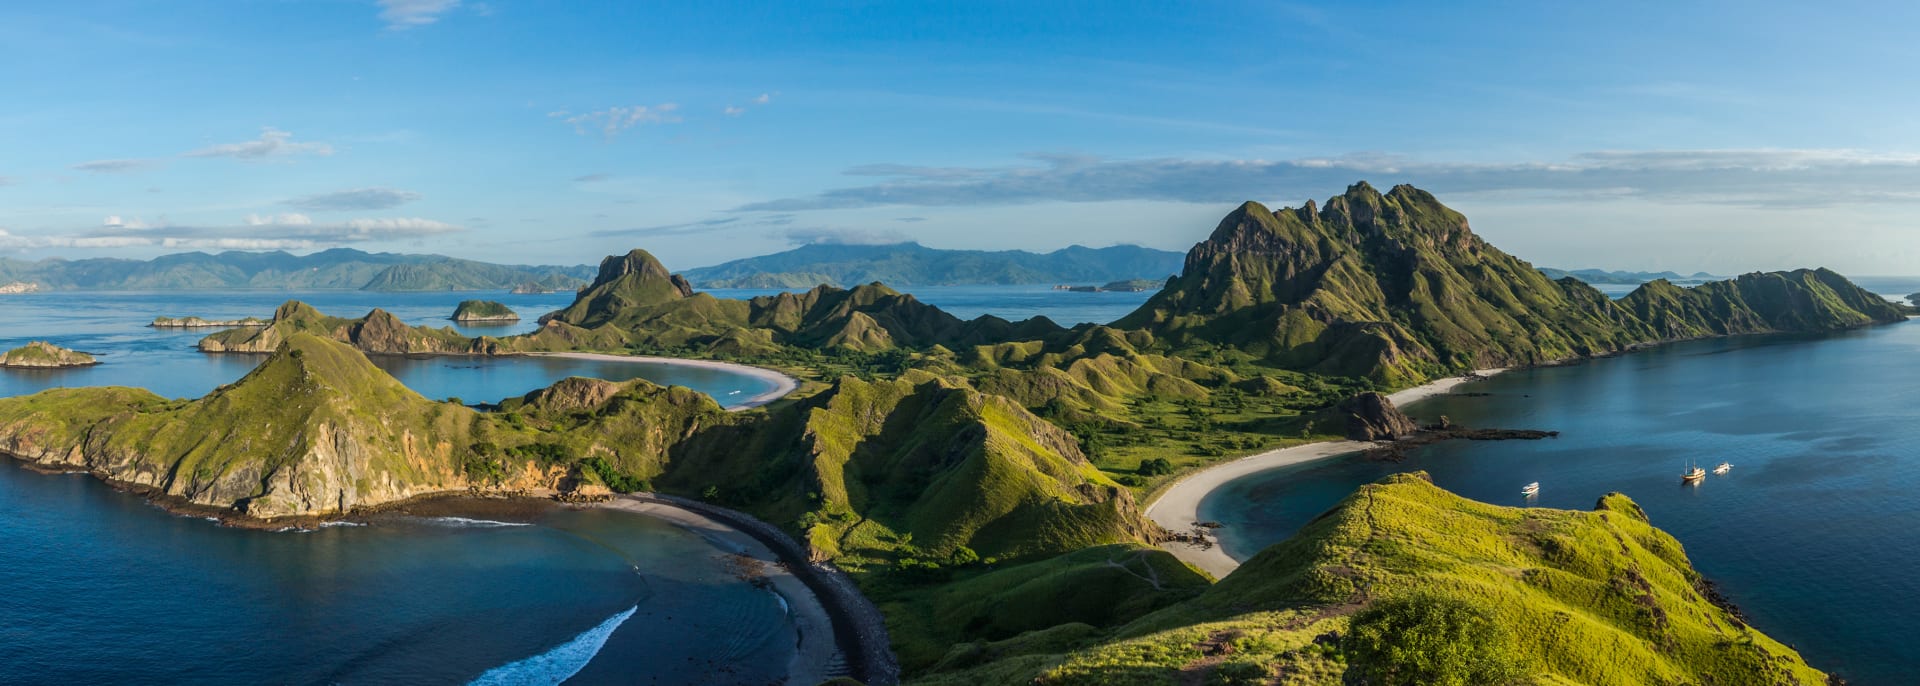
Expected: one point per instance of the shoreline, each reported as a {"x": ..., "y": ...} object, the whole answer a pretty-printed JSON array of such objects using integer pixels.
[
  {"x": 817, "y": 595},
  {"x": 816, "y": 649},
  {"x": 783, "y": 384},
  {"x": 1177, "y": 507}
]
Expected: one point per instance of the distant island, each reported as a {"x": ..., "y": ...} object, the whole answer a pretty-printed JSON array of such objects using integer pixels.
[
  {"x": 1624, "y": 278},
  {"x": 43, "y": 355},
  {"x": 336, "y": 269},
  {"x": 1126, "y": 286},
  {"x": 483, "y": 311},
  {"x": 912, "y": 264},
  {"x": 198, "y": 323}
]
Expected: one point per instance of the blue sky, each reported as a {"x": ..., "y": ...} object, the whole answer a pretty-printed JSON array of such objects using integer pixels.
[{"x": 1715, "y": 136}]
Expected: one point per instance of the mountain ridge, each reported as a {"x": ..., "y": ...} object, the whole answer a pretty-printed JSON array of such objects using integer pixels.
[
  {"x": 337, "y": 268},
  {"x": 910, "y": 264}
]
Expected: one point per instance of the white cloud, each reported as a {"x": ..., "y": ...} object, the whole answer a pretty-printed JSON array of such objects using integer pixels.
[
  {"x": 406, "y": 14},
  {"x": 257, "y": 232},
  {"x": 363, "y": 199},
  {"x": 113, "y": 166},
  {"x": 271, "y": 143},
  {"x": 611, "y": 122},
  {"x": 288, "y": 219},
  {"x": 737, "y": 110},
  {"x": 1759, "y": 178},
  {"x": 732, "y": 111},
  {"x": 763, "y": 99}
]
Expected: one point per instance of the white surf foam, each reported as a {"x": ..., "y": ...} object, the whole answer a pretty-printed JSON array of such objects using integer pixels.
[
  {"x": 559, "y": 664},
  {"x": 476, "y": 523}
]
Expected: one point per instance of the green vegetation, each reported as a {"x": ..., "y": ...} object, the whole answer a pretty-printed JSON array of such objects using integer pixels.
[
  {"x": 44, "y": 355},
  {"x": 483, "y": 311},
  {"x": 1463, "y": 592},
  {"x": 911, "y": 264}
]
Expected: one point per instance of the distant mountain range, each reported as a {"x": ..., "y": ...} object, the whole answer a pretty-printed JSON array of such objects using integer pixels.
[
  {"x": 1602, "y": 276},
  {"x": 911, "y": 264},
  {"x": 340, "y": 268}
]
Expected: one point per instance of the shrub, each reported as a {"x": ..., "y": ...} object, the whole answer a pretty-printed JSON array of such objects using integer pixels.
[
  {"x": 1155, "y": 466},
  {"x": 1429, "y": 640}
]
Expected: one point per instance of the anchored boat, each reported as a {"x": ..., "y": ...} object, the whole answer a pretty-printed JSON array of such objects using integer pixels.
[
  {"x": 1723, "y": 468},
  {"x": 1693, "y": 475},
  {"x": 1531, "y": 489}
]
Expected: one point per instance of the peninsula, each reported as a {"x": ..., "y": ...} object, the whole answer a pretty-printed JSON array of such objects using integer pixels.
[{"x": 43, "y": 355}]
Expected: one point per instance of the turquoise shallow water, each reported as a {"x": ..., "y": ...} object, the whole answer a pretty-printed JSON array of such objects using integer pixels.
[{"x": 1815, "y": 534}]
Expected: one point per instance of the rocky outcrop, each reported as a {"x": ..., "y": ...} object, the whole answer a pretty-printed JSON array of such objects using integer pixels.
[
  {"x": 18, "y": 287},
  {"x": 1372, "y": 417},
  {"x": 43, "y": 355}
]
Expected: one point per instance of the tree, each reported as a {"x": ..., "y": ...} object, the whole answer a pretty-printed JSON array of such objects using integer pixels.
[
  {"x": 1155, "y": 466},
  {"x": 1429, "y": 639}
]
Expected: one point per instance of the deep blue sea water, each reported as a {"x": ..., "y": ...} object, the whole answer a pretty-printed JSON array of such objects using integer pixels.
[{"x": 1815, "y": 534}]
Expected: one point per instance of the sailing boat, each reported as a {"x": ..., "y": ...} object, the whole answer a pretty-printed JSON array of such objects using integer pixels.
[
  {"x": 1723, "y": 468},
  {"x": 1531, "y": 489},
  {"x": 1694, "y": 474}
]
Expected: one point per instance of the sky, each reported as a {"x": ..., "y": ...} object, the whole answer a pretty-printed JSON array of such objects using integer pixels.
[{"x": 1723, "y": 137}]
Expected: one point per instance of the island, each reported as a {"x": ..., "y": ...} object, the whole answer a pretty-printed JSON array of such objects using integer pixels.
[
  {"x": 912, "y": 264},
  {"x": 44, "y": 355},
  {"x": 472, "y": 311},
  {"x": 198, "y": 323},
  {"x": 987, "y": 483}
]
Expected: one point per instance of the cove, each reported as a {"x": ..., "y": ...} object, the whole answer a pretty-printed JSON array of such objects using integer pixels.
[{"x": 1814, "y": 534}]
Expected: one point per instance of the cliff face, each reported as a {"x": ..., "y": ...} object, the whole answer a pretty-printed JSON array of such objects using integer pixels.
[
  {"x": 1372, "y": 417},
  {"x": 1397, "y": 287},
  {"x": 314, "y": 430}
]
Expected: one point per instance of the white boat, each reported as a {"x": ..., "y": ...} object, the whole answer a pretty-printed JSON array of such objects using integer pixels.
[
  {"x": 1532, "y": 489},
  {"x": 1694, "y": 475},
  {"x": 1723, "y": 468}
]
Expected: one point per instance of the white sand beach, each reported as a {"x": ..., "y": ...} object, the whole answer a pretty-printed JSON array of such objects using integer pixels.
[
  {"x": 783, "y": 384},
  {"x": 1178, "y": 507}
]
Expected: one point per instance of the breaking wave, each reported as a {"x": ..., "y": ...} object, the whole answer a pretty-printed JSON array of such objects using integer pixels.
[{"x": 471, "y": 523}]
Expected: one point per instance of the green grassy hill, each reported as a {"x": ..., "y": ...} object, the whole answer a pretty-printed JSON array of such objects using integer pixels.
[
  {"x": 379, "y": 332},
  {"x": 1404, "y": 583},
  {"x": 316, "y": 429}
]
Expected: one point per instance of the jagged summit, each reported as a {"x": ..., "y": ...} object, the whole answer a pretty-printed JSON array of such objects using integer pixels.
[
  {"x": 625, "y": 282},
  {"x": 1398, "y": 288}
]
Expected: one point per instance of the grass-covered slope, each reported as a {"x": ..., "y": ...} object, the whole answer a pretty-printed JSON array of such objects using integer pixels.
[
  {"x": 1405, "y": 583},
  {"x": 1396, "y": 287},
  {"x": 895, "y": 473},
  {"x": 316, "y": 429}
]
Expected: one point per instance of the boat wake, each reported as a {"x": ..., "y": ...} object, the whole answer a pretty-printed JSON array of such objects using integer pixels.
[{"x": 560, "y": 663}]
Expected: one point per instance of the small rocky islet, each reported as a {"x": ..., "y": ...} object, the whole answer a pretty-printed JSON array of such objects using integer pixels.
[
  {"x": 483, "y": 311},
  {"x": 44, "y": 355}
]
